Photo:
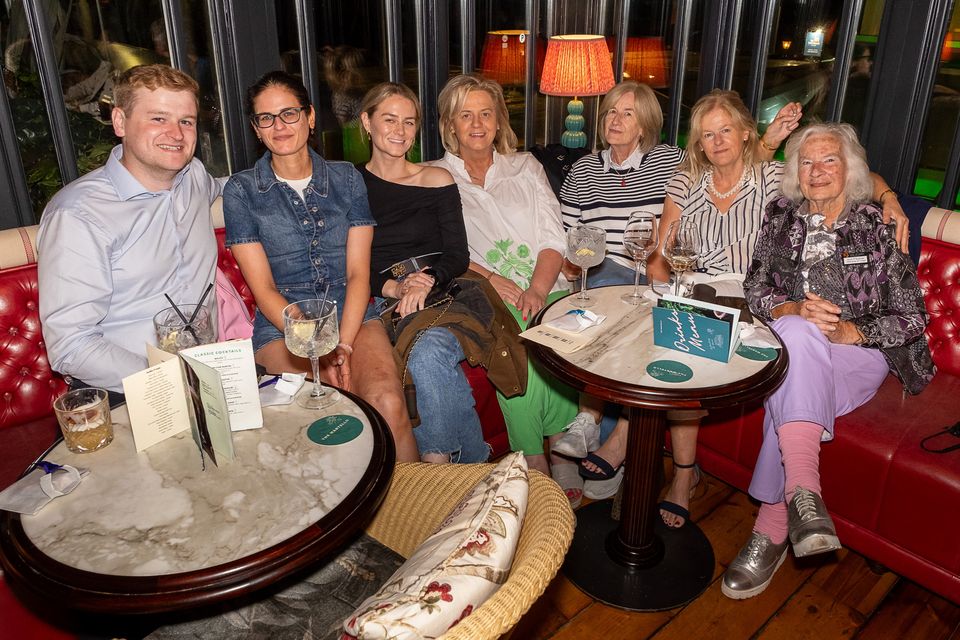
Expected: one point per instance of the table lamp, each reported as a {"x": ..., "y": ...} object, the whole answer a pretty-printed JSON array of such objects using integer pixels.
[
  {"x": 576, "y": 65},
  {"x": 504, "y": 57}
]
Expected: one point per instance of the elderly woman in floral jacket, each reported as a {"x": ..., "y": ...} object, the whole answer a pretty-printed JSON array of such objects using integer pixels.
[{"x": 846, "y": 303}]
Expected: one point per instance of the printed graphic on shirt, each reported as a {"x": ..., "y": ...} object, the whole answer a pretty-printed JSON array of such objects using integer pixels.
[{"x": 516, "y": 265}]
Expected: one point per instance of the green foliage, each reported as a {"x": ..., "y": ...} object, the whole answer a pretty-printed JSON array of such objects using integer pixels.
[{"x": 92, "y": 140}]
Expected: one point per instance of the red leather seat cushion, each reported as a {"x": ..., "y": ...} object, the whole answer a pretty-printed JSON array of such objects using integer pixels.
[{"x": 27, "y": 385}]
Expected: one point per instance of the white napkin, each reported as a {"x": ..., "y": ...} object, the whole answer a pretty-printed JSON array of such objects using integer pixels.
[
  {"x": 576, "y": 320},
  {"x": 280, "y": 390},
  {"x": 33, "y": 491},
  {"x": 755, "y": 335}
]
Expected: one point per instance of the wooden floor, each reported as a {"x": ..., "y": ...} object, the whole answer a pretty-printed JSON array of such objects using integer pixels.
[{"x": 818, "y": 598}]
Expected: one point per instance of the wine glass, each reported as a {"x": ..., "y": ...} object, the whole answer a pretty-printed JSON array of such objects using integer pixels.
[
  {"x": 585, "y": 248},
  {"x": 681, "y": 248},
  {"x": 640, "y": 239},
  {"x": 310, "y": 331}
]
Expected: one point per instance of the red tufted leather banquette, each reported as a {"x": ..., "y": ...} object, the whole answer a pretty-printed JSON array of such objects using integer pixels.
[{"x": 891, "y": 500}]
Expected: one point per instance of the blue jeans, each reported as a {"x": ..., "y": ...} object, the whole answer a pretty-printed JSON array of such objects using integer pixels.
[
  {"x": 609, "y": 272},
  {"x": 448, "y": 420}
]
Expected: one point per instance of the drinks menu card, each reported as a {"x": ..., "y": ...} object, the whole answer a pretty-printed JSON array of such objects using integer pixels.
[
  {"x": 698, "y": 328},
  {"x": 205, "y": 389}
]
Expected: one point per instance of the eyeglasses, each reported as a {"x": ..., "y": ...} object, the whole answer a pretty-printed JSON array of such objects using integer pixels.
[{"x": 289, "y": 115}]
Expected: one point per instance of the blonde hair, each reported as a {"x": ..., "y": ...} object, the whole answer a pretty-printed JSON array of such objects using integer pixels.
[
  {"x": 696, "y": 162},
  {"x": 151, "y": 77},
  {"x": 645, "y": 105},
  {"x": 859, "y": 186},
  {"x": 452, "y": 97}
]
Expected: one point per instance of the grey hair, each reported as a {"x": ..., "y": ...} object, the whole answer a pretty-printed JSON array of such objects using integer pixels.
[{"x": 859, "y": 187}]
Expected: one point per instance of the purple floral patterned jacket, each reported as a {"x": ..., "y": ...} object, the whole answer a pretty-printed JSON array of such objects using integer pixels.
[{"x": 868, "y": 277}]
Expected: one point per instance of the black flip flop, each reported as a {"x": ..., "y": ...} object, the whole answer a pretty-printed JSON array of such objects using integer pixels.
[
  {"x": 606, "y": 470},
  {"x": 677, "y": 510}
]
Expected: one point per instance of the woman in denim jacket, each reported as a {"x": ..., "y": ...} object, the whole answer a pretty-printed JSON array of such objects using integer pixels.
[
  {"x": 847, "y": 305},
  {"x": 298, "y": 224}
]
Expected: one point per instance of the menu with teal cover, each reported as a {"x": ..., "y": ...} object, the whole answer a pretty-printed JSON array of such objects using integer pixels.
[{"x": 698, "y": 328}]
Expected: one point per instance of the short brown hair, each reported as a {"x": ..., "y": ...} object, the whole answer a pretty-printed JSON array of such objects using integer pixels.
[
  {"x": 151, "y": 77},
  {"x": 696, "y": 163},
  {"x": 452, "y": 97},
  {"x": 649, "y": 114}
]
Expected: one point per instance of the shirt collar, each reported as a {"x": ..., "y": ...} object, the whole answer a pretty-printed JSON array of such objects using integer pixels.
[
  {"x": 266, "y": 177},
  {"x": 459, "y": 167},
  {"x": 127, "y": 186},
  {"x": 633, "y": 161}
]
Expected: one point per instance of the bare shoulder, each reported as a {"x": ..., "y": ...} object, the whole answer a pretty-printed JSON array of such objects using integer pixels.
[{"x": 433, "y": 177}]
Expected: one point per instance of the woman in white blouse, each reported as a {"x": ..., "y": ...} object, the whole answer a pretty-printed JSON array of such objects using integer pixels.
[{"x": 516, "y": 241}]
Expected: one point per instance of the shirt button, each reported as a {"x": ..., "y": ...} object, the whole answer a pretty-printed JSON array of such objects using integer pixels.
[
  {"x": 503, "y": 353},
  {"x": 314, "y": 243},
  {"x": 317, "y": 261},
  {"x": 305, "y": 221},
  {"x": 313, "y": 209}
]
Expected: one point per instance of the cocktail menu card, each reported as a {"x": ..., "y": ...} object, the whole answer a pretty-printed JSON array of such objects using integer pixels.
[
  {"x": 698, "y": 328},
  {"x": 210, "y": 389}
]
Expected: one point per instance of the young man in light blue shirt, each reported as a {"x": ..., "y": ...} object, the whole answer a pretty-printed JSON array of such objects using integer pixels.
[{"x": 114, "y": 241}]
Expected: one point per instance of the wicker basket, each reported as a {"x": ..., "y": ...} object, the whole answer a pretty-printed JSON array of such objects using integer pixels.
[{"x": 421, "y": 495}]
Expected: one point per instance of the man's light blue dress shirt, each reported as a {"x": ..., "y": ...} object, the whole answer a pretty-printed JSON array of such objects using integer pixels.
[{"x": 108, "y": 251}]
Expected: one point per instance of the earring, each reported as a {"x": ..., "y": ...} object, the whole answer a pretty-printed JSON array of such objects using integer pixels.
[{"x": 311, "y": 130}]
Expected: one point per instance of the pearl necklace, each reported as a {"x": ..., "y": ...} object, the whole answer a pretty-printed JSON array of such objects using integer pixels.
[{"x": 708, "y": 180}]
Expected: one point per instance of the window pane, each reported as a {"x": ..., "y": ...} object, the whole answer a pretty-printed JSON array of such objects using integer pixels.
[
  {"x": 691, "y": 74},
  {"x": 942, "y": 118},
  {"x": 861, "y": 67},
  {"x": 351, "y": 40},
  {"x": 649, "y": 50},
  {"x": 211, "y": 145},
  {"x": 501, "y": 53},
  {"x": 801, "y": 58},
  {"x": 25, "y": 96}
]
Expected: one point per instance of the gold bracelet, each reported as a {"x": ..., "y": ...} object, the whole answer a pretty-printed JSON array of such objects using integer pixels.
[
  {"x": 763, "y": 143},
  {"x": 880, "y": 199}
]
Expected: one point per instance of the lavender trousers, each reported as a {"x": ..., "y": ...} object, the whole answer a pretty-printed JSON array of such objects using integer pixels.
[{"x": 824, "y": 381}]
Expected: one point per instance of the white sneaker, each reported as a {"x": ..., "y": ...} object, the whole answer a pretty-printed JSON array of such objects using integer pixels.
[{"x": 582, "y": 436}]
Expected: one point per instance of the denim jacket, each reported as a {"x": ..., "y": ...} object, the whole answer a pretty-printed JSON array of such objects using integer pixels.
[
  {"x": 868, "y": 277},
  {"x": 305, "y": 239}
]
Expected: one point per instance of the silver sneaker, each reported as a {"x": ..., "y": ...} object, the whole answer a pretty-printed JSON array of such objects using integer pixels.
[
  {"x": 753, "y": 569},
  {"x": 810, "y": 526},
  {"x": 582, "y": 436}
]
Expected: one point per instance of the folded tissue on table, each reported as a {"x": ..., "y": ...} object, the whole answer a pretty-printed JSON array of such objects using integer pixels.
[
  {"x": 278, "y": 390},
  {"x": 45, "y": 482},
  {"x": 576, "y": 320}
]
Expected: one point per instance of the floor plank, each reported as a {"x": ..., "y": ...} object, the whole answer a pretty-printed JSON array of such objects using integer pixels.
[{"x": 832, "y": 596}]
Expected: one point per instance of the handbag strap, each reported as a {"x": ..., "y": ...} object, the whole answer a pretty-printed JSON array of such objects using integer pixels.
[
  {"x": 446, "y": 301},
  {"x": 954, "y": 431}
]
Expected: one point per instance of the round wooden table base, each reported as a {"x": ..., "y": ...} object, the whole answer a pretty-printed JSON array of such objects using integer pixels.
[
  {"x": 639, "y": 563},
  {"x": 683, "y": 573}
]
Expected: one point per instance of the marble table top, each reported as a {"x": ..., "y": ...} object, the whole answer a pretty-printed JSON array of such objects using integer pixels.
[
  {"x": 622, "y": 347},
  {"x": 158, "y": 512}
]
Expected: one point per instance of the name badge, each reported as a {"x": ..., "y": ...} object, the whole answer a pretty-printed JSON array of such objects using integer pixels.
[{"x": 856, "y": 259}]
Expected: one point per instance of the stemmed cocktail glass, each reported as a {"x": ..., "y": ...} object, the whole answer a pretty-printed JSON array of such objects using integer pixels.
[
  {"x": 310, "y": 331},
  {"x": 640, "y": 239},
  {"x": 586, "y": 246},
  {"x": 681, "y": 248}
]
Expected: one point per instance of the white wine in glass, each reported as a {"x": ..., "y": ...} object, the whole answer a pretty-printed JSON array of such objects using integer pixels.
[
  {"x": 586, "y": 246},
  {"x": 640, "y": 239},
  {"x": 310, "y": 330},
  {"x": 681, "y": 248}
]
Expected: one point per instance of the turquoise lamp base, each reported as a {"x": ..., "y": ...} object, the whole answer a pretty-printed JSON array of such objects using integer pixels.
[{"x": 574, "y": 137}]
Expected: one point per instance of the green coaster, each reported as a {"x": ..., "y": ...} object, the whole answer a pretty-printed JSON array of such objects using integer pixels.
[
  {"x": 335, "y": 429},
  {"x": 669, "y": 371},
  {"x": 757, "y": 353}
]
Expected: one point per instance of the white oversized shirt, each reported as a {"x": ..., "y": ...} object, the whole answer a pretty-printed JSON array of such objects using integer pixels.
[{"x": 512, "y": 217}]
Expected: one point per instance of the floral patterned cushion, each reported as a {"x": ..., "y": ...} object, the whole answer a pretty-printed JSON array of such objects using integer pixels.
[{"x": 456, "y": 568}]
